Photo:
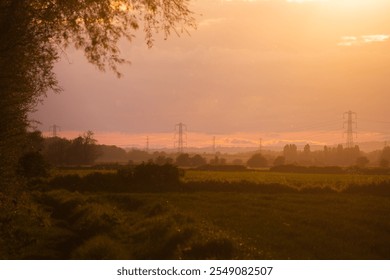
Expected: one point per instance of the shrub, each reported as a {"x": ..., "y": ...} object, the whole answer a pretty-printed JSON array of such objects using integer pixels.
[
  {"x": 32, "y": 165},
  {"x": 257, "y": 160},
  {"x": 161, "y": 236},
  {"x": 381, "y": 189},
  {"x": 69, "y": 182},
  {"x": 103, "y": 182},
  {"x": 221, "y": 248},
  {"x": 100, "y": 247},
  {"x": 153, "y": 177}
]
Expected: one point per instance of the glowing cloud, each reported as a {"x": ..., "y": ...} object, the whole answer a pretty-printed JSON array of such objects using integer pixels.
[
  {"x": 347, "y": 41},
  {"x": 375, "y": 38}
]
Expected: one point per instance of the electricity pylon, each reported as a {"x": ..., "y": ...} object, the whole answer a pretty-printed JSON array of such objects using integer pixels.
[
  {"x": 351, "y": 123},
  {"x": 180, "y": 136},
  {"x": 54, "y": 129}
]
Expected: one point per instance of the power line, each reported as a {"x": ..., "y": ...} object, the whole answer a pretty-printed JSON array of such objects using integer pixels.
[
  {"x": 323, "y": 124},
  {"x": 373, "y": 121}
]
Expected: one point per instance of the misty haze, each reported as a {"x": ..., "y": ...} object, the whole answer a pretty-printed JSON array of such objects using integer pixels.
[{"x": 203, "y": 129}]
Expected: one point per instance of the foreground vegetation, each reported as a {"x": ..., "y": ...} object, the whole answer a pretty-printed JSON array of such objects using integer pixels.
[
  {"x": 199, "y": 215},
  {"x": 335, "y": 181}
]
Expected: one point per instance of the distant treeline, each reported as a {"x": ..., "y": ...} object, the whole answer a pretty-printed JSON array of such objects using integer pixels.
[
  {"x": 40, "y": 153},
  {"x": 328, "y": 156},
  {"x": 84, "y": 150},
  {"x": 286, "y": 168}
]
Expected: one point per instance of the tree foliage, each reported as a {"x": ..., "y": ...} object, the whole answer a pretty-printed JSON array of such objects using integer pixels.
[
  {"x": 384, "y": 160},
  {"x": 82, "y": 150},
  {"x": 257, "y": 160},
  {"x": 290, "y": 153},
  {"x": 187, "y": 160},
  {"x": 34, "y": 34}
]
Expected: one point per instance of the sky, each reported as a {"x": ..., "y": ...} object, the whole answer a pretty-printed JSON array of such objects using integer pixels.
[{"x": 282, "y": 71}]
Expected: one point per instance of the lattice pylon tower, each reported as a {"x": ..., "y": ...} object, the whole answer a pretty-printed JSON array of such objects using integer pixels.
[
  {"x": 54, "y": 130},
  {"x": 180, "y": 137},
  {"x": 351, "y": 123}
]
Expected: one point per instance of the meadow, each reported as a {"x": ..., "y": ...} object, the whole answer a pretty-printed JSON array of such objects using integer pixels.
[
  {"x": 207, "y": 215},
  {"x": 336, "y": 182}
]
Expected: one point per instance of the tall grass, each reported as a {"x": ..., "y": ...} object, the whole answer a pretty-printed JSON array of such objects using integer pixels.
[
  {"x": 139, "y": 226},
  {"x": 337, "y": 182},
  {"x": 203, "y": 215},
  {"x": 296, "y": 226}
]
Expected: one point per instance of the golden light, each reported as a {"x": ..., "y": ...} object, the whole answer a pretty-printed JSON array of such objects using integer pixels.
[{"x": 346, "y": 4}]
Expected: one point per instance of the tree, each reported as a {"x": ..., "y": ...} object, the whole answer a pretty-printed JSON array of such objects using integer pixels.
[
  {"x": 82, "y": 150},
  {"x": 32, "y": 164},
  {"x": 306, "y": 149},
  {"x": 198, "y": 160},
  {"x": 362, "y": 161},
  {"x": 162, "y": 159},
  {"x": 384, "y": 163},
  {"x": 257, "y": 160},
  {"x": 385, "y": 157},
  {"x": 290, "y": 153},
  {"x": 34, "y": 33},
  {"x": 138, "y": 155},
  {"x": 56, "y": 150},
  {"x": 280, "y": 160},
  {"x": 183, "y": 160},
  {"x": 237, "y": 161}
]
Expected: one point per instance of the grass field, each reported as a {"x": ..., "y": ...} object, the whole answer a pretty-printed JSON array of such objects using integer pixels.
[
  {"x": 208, "y": 225},
  {"x": 299, "y": 226},
  {"x": 80, "y": 172},
  {"x": 295, "y": 180},
  {"x": 204, "y": 223}
]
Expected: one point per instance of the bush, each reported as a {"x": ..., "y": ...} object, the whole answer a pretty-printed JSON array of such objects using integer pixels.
[
  {"x": 219, "y": 249},
  {"x": 381, "y": 189},
  {"x": 68, "y": 182},
  {"x": 256, "y": 161},
  {"x": 153, "y": 177},
  {"x": 100, "y": 247},
  {"x": 32, "y": 165}
]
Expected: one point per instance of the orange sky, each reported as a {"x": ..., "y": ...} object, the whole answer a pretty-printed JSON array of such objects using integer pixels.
[{"x": 276, "y": 70}]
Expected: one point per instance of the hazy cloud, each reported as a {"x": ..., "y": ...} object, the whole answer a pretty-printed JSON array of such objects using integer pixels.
[
  {"x": 249, "y": 68},
  {"x": 375, "y": 38},
  {"x": 210, "y": 21}
]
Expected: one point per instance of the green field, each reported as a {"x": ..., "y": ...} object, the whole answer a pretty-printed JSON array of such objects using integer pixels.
[
  {"x": 298, "y": 226},
  {"x": 236, "y": 223},
  {"x": 295, "y": 180},
  {"x": 207, "y": 225}
]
